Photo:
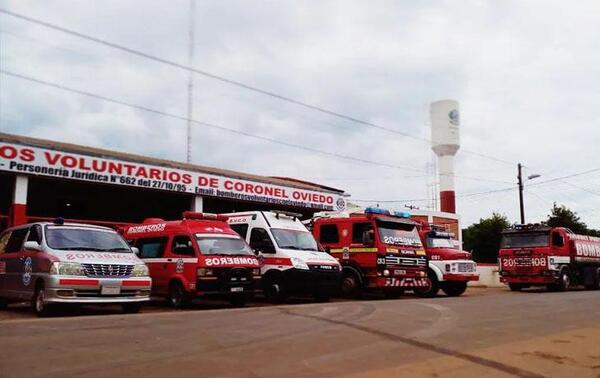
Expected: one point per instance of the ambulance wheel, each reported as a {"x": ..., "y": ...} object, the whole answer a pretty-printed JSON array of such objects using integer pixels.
[
  {"x": 351, "y": 285},
  {"x": 454, "y": 289},
  {"x": 516, "y": 287},
  {"x": 177, "y": 297},
  {"x": 432, "y": 290},
  {"x": 38, "y": 302},
  {"x": 274, "y": 290},
  {"x": 132, "y": 308},
  {"x": 564, "y": 281},
  {"x": 238, "y": 300}
]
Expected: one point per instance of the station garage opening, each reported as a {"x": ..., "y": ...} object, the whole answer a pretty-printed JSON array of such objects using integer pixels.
[{"x": 42, "y": 180}]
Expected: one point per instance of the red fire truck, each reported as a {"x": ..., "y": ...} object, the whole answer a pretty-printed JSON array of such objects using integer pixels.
[
  {"x": 378, "y": 250},
  {"x": 198, "y": 256},
  {"x": 538, "y": 255},
  {"x": 449, "y": 267}
]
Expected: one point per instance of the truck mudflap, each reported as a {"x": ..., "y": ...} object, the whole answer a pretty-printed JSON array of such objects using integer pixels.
[{"x": 407, "y": 282}]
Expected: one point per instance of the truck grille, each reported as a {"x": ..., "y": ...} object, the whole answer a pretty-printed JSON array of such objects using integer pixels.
[
  {"x": 466, "y": 267},
  {"x": 395, "y": 260},
  {"x": 107, "y": 270}
]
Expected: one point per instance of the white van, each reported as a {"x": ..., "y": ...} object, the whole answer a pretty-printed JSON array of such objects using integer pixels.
[
  {"x": 292, "y": 261},
  {"x": 53, "y": 263}
]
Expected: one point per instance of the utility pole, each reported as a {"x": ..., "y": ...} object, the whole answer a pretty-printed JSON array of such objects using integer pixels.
[
  {"x": 520, "y": 178},
  {"x": 190, "y": 99}
]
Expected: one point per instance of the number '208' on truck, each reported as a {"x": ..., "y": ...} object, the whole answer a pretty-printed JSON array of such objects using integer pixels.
[{"x": 555, "y": 257}]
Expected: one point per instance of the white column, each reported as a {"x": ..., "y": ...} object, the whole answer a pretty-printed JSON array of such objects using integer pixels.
[
  {"x": 20, "y": 192},
  {"x": 197, "y": 204},
  {"x": 446, "y": 170}
]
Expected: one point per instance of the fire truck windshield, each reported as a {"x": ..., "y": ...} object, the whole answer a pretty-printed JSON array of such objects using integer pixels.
[
  {"x": 85, "y": 239},
  {"x": 440, "y": 243},
  {"x": 526, "y": 239},
  {"x": 223, "y": 245},
  {"x": 294, "y": 239},
  {"x": 396, "y": 233}
]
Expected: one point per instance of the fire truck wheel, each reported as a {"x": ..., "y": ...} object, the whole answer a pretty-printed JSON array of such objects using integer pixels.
[
  {"x": 38, "y": 302},
  {"x": 454, "y": 289},
  {"x": 177, "y": 297},
  {"x": 238, "y": 300},
  {"x": 274, "y": 290},
  {"x": 3, "y": 304},
  {"x": 564, "y": 281},
  {"x": 351, "y": 285},
  {"x": 132, "y": 308},
  {"x": 432, "y": 290}
]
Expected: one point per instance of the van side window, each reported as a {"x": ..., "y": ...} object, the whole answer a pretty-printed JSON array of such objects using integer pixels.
[
  {"x": 4, "y": 241},
  {"x": 35, "y": 234},
  {"x": 241, "y": 229},
  {"x": 260, "y": 240},
  {"x": 182, "y": 245},
  {"x": 15, "y": 242},
  {"x": 151, "y": 247},
  {"x": 358, "y": 230},
  {"x": 329, "y": 234},
  {"x": 557, "y": 239}
]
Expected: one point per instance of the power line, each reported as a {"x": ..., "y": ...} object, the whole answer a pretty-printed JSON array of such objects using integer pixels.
[
  {"x": 211, "y": 125},
  {"x": 427, "y": 199},
  {"x": 233, "y": 82}
]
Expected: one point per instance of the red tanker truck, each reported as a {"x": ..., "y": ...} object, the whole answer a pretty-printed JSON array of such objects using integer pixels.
[
  {"x": 450, "y": 268},
  {"x": 555, "y": 257}
]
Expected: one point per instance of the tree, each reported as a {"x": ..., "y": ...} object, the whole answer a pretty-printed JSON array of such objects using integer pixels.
[
  {"x": 561, "y": 216},
  {"x": 483, "y": 238}
]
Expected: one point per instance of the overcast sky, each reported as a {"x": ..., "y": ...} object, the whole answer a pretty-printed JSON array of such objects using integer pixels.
[{"x": 526, "y": 74}]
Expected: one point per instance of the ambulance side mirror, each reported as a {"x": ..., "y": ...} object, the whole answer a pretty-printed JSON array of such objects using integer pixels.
[
  {"x": 32, "y": 246},
  {"x": 135, "y": 250}
]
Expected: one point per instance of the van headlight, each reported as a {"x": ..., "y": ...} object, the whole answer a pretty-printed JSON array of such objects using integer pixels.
[
  {"x": 299, "y": 264},
  {"x": 66, "y": 269},
  {"x": 140, "y": 270}
]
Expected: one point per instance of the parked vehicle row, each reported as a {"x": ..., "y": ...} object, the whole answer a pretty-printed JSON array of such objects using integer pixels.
[{"x": 237, "y": 255}]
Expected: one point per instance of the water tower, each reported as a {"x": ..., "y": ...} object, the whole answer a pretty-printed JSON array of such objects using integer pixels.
[{"x": 445, "y": 143}]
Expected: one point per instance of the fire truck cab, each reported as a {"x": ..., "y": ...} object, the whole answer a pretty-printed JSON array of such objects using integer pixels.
[
  {"x": 378, "y": 250},
  {"x": 450, "y": 268},
  {"x": 198, "y": 256},
  {"x": 555, "y": 257},
  {"x": 292, "y": 261}
]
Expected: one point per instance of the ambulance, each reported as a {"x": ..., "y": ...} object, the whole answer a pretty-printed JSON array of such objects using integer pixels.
[
  {"x": 69, "y": 263},
  {"x": 293, "y": 262},
  {"x": 198, "y": 256}
]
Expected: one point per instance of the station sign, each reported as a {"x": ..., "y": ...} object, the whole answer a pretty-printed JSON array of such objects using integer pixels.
[{"x": 45, "y": 162}]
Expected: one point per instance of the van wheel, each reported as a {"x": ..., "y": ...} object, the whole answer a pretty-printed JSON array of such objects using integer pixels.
[
  {"x": 432, "y": 290},
  {"x": 564, "y": 281},
  {"x": 351, "y": 285},
  {"x": 177, "y": 297},
  {"x": 132, "y": 308},
  {"x": 38, "y": 302},
  {"x": 454, "y": 289},
  {"x": 274, "y": 290}
]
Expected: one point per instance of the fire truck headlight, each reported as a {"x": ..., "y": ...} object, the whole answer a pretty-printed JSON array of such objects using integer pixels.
[
  {"x": 201, "y": 272},
  {"x": 299, "y": 264},
  {"x": 447, "y": 267},
  {"x": 140, "y": 270},
  {"x": 66, "y": 269},
  {"x": 386, "y": 272},
  {"x": 422, "y": 274}
]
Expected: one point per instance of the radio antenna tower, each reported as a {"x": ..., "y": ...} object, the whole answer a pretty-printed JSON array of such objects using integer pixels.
[{"x": 190, "y": 99}]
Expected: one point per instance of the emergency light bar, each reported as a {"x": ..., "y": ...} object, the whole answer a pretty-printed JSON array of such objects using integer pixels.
[
  {"x": 378, "y": 210},
  {"x": 286, "y": 213},
  {"x": 440, "y": 234},
  {"x": 192, "y": 215}
]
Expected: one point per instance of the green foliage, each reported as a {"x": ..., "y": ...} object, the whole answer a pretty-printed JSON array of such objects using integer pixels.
[
  {"x": 561, "y": 216},
  {"x": 483, "y": 238}
]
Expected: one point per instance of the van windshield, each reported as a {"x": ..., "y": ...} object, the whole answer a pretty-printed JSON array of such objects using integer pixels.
[
  {"x": 528, "y": 239},
  {"x": 396, "y": 233},
  {"x": 294, "y": 239},
  {"x": 85, "y": 239},
  {"x": 223, "y": 245}
]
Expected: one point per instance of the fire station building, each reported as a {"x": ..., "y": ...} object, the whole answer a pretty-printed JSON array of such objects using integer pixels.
[{"x": 42, "y": 180}]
